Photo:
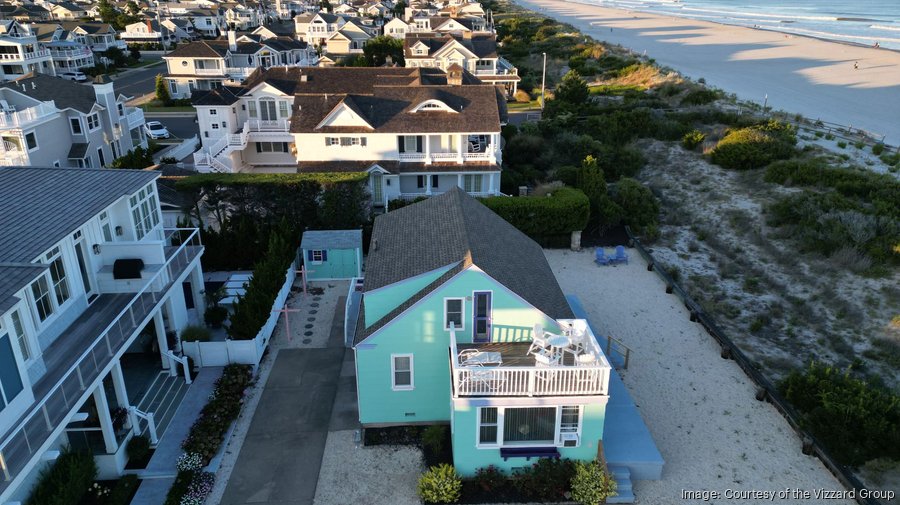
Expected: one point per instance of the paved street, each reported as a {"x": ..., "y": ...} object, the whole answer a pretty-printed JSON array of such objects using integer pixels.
[
  {"x": 139, "y": 82},
  {"x": 179, "y": 126}
]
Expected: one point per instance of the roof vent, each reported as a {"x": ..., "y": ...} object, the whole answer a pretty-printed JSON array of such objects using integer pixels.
[
  {"x": 304, "y": 77},
  {"x": 375, "y": 244}
]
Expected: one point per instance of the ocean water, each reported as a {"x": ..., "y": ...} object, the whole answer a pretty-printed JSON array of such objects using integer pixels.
[{"x": 856, "y": 21}]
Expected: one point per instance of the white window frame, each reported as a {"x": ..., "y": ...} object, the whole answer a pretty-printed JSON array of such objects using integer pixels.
[
  {"x": 412, "y": 375},
  {"x": 73, "y": 120},
  {"x": 18, "y": 333},
  {"x": 315, "y": 253},
  {"x": 145, "y": 214},
  {"x": 96, "y": 117},
  {"x": 37, "y": 144},
  {"x": 462, "y": 313},
  {"x": 501, "y": 420}
]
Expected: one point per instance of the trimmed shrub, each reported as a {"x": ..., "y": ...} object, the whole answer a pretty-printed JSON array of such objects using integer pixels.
[
  {"x": 547, "y": 480},
  {"x": 490, "y": 479},
  {"x": 66, "y": 481},
  {"x": 522, "y": 96},
  {"x": 221, "y": 410},
  {"x": 855, "y": 420},
  {"x": 692, "y": 139},
  {"x": 592, "y": 484},
  {"x": 138, "y": 448},
  {"x": 195, "y": 334},
  {"x": 877, "y": 149},
  {"x": 433, "y": 438},
  {"x": 214, "y": 316},
  {"x": 749, "y": 148},
  {"x": 544, "y": 218},
  {"x": 440, "y": 484},
  {"x": 399, "y": 203}
]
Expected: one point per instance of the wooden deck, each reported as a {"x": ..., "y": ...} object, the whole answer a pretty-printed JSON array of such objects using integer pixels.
[{"x": 513, "y": 354}]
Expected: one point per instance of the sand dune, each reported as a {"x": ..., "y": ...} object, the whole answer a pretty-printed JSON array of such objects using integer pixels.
[{"x": 802, "y": 75}]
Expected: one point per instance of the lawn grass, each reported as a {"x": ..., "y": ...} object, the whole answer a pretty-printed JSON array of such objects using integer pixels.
[{"x": 156, "y": 106}]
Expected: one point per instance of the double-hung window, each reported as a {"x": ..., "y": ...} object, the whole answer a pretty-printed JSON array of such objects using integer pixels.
[
  {"x": 10, "y": 380},
  {"x": 18, "y": 331},
  {"x": 93, "y": 121},
  {"x": 43, "y": 301},
  {"x": 487, "y": 426},
  {"x": 317, "y": 256},
  {"x": 31, "y": 141},
  {"x": 58, "y": 275},
  {"x": 144, "y": 211},
  {"x": 472, "y": 183},
  {"x": 75, "y": 123},
  {"x": 401, "y": 372},
  {"x": 527, "y": 426},
  {"x": 453, "y": 313}
]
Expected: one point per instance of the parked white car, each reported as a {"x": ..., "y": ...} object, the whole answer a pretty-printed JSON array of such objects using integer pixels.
[
  {"x": 74, "y": 76},
  {"x": 155, "y": 130}
]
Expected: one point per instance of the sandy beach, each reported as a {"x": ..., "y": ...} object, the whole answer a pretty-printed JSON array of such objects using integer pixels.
[
  {"x": 700, "y": 408},
  {"x": 812, "y": 77}
]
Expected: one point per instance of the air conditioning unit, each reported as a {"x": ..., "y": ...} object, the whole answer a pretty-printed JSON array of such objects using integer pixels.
[{"x": 570, "y": 439}]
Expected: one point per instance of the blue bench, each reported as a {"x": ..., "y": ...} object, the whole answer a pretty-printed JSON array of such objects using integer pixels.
[{"x": 529, "y": 452}]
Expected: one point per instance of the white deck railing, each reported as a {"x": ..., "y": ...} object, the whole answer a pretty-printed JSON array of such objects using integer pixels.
[
  {"x": 589, "y": 380},
  {"x": 209, "y": 71},
  {"x": 262, "y": 125},
  {"x": 27, "y": 116},
  {"x": 48, "y": 414},
  {"x": 135, "y": 117}
]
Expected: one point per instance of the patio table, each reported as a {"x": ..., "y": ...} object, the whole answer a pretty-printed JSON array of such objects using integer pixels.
[{"x": 558, "y": 343}]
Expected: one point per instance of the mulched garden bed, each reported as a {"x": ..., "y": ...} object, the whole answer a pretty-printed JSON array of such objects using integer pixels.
[{"x": 413, "y": 435}]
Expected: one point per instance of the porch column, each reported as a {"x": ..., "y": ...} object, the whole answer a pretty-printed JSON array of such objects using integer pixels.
[
  {"x": 170, "y": 315},
  {"x": 427, "y": 149},
  {"x": 197, "y": 290},
  {"x": 459, "y": 181},
  {"x": 492, "y": 148},
  {"x": 492, "y": 189},
  {"x": 160, "y": 327},
  {"x": 428, "y": 184},
  {"x": 106, "y": 425},
  {"x": 118, "y": 380},
  {"x": 460, "y": 148}
]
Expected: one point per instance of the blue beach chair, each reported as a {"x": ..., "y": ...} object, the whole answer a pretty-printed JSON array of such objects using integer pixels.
[{"x": 600, "y": 257}]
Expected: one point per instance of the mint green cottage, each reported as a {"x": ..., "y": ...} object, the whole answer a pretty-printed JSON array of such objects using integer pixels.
[
  {"x": 452, "y": 298},
  {"x": 332, "y": 254}
]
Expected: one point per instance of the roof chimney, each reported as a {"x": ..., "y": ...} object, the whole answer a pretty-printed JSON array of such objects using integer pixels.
[
  {"x": 454, "y": 75},
  {"x": 467, "y": 35},
  {"x": 149, "y": 26},
  {"x": 232, "y": 40}
]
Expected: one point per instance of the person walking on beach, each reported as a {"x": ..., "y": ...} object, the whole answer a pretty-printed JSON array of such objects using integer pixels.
[{"x": 855, "y": 65}]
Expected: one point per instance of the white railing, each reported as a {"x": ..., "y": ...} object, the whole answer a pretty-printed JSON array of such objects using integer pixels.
[
  {"x": 209, "y": 71},
  {"x": 476, "y": 156},
  {"x": 412, "y": 156},
  {"x": 136, "y": 416},
  {"x": 25, "y": 440},
  {"x": 242, "y": 72},
  {"x": 260, "y": 125},
  {"x": 40, "y": 53},
  {"x": 24, "y": 117},
  {"x": 173, "y": 366},
  {"x": 74, "y": 53},
  {"x": 445, "y": 156},
  {"x": 585, "y": 380},
  {"x": 134, "y": 116}
]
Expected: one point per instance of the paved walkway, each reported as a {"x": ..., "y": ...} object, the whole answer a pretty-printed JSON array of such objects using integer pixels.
[{"x": 160, "y": 472}]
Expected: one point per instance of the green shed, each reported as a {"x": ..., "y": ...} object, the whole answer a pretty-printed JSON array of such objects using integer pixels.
[{"x": 332, "y": 254}]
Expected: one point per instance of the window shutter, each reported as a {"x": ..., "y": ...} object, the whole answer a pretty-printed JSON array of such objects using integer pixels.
[
  {"x": 420, "y": 181},
  {"x": 284, "y": 147},
  {"x": 401, "y": 144},
  {"x": 324, "y": 255},
  {"x": 327, "y": 141},
  {"x": 362, "y": 141},
  {"x": 419, "y": 144},
  {"x": 309, "y": 256},
  {"x": 258, "y": 147},
  {"x": 434, "y": 181}
]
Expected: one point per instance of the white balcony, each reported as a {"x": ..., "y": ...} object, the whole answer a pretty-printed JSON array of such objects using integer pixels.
[
  {"x": 209, "y": 71},
  {"x": 135, "y": 117},
  {"x": 26, "y": 56},
  {"x": 263, "y": 126},
  {"x": 29, "y": 116},
  {"x": 507, "y": 369},
  {"x": 413, "y": 157},
  {"x": 239, "y": 72},
  {"x": 14, "y": 158},
  {"x": 71, "y": 53},
  {"x": 90, "y": 344}
]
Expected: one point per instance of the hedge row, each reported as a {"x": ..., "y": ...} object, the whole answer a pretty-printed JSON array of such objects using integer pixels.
[
  {"x": 252, "y": 310},
  {"x": 201, "y": 181},
  {"x": 66, "y": 481},
  {"x": 544, "y": 218}
]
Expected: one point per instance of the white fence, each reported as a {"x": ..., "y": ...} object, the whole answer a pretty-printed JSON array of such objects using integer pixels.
[
  {"x": 243, "y": 352},
  {"x": 178, "y": 151}
]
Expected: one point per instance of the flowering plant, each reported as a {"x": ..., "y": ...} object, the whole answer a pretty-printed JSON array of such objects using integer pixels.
[{"x": 189, "y": 461}]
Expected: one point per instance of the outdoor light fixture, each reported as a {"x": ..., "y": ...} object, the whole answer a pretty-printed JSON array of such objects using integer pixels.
[
  {"x": 96, "y": 248},
  {"x": 119, "y": 231}
]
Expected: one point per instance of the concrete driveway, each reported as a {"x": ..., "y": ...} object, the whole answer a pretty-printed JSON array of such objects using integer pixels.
[{"x": 279, "y": 461}]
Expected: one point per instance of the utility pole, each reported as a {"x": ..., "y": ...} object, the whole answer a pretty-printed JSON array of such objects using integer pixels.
[{"x": 543, "y": 81}]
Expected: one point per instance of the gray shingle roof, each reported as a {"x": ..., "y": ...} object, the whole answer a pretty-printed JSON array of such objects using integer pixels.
[
  {"x": 13, "y": 277},
  {"x": 66, "y": 94},
  {"x": 456, "y": 229},
  {"x": 40, "y": 206},
  {"x": 331, "y": 239}
]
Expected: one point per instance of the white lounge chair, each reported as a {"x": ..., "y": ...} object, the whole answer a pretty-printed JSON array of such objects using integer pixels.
[{"x": 539, "y": 342}]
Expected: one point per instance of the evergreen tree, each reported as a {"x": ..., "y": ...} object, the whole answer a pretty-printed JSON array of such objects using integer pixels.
[
  {"x": 572, "y": 89},
  {"x": 378, "y": 49},
  {"x": 162, "y": 90}
]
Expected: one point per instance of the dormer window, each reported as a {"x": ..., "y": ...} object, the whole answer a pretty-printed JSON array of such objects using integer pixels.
[{"x": 433, "y": 106}]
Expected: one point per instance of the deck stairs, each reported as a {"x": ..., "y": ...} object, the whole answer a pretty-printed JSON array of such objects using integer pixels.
[
  {"x": 624, "y": 493},
  {"x": 162, "y": 399}
]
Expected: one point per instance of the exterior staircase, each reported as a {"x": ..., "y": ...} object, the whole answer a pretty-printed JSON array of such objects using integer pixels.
[
  {"x": 162, "y": 399},
  {"x": 217, "y": 157},
  {"x": 623, "y": 485}
]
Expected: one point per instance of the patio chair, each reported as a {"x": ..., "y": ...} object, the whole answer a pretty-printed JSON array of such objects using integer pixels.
[
  {"x": 600, "y": 257},
  {"x": 485, "y": 380},
  {"x": 539, "y": 342},
  {"x": 466, "y": 355},
  {"x": 621, "y": 256}
]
